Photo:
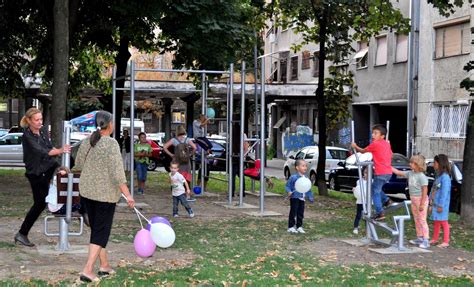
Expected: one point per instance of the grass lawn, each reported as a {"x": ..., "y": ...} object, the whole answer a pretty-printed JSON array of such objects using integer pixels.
[{"x": 246, "y": 251}]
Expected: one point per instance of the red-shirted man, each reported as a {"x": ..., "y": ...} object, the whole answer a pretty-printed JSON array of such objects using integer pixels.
[{"x": 382, "y": 155}]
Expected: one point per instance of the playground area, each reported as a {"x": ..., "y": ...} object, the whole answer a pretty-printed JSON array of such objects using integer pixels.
[{"x": 226, "y": 247}]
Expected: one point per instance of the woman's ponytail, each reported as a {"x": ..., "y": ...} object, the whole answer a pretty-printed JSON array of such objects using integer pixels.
[{"x": 102, "y": 121}]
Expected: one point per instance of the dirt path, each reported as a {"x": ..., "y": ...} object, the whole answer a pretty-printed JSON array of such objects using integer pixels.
[{"x": 22, "y": 263}]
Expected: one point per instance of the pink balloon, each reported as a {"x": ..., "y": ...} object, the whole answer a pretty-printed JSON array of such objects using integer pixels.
[{"x": 143, "y": 243}]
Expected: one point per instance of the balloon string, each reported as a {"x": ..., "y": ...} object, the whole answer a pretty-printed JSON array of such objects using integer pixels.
[
  {"x": 138, "y": 213},
  {"x": 139, "y": 219}
]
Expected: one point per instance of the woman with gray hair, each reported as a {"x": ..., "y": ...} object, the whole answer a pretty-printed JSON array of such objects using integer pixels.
[{"x": 102, "y": 182}]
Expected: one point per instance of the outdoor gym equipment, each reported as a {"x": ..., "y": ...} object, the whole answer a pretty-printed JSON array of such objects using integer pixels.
[
  {"x": 71, "y": 193},
  {"x": 230, "y": 109},
  {"x": 397, "y": 232}
]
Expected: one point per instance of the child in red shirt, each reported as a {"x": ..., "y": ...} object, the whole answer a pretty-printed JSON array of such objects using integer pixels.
[{"x": 382, "y": 155}]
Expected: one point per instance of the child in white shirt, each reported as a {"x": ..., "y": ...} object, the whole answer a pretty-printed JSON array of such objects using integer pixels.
[
  {"x": 178, "y": 184},
  {"x": 357, "y": 190}
]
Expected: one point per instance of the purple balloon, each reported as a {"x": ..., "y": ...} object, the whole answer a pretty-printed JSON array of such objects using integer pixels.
[
  {"x": 143, "y": 243},
  {"x": 157, "y": 219}
]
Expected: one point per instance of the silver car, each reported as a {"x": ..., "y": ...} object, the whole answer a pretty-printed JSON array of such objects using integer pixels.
[
  {"x": 310, "y": 154},
  {"x": 11, "y": 150}
]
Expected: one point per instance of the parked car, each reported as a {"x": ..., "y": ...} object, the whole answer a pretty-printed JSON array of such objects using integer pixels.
[
  {"x": 456, "y": 182},
  {"x": 15, "y": 129},
  {"x": 310, "y": 155},
  {"x": 3, "y": 132},
  {"x": 11, "y": 150},
  {"x": 216, "y": 158},
  {"x": 155, "y": 159},
  {"x": 345, "y": 176}
]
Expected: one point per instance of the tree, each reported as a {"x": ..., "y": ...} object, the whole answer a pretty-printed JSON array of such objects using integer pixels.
[
  {"x": 334, "y": 24},
  {"x": 211, "y": 34},
  {"x": 61, "y": 68}
]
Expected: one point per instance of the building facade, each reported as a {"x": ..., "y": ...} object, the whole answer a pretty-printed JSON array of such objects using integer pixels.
[{"x": 410, "y": 82}]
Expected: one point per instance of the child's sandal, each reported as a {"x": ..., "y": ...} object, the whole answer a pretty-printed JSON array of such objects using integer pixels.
[{"x": 443, "y": 245}]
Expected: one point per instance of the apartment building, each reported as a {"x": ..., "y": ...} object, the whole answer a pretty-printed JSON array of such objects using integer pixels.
[{"x": 412, "y": 82}]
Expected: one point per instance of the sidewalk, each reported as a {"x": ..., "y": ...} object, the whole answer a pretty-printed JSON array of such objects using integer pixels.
[{"x": 275, "y": 168}]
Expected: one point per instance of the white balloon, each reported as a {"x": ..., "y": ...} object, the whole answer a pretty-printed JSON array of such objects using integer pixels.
[
  {"x": 162, "y": 234},
  {"x": 303, "y": 184}
]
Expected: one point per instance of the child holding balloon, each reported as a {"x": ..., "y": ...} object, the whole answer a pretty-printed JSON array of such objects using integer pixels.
[
  {"x": 178, "y": 183},
  {"x": 298, "y": 189}
]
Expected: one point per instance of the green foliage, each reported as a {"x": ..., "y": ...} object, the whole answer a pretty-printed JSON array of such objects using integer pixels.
[
  {"x": 338, "y": 90},
  {"x": 447, "y": 7},
  {"x": 468, "y": 83},
  {"x": 208, "y": 34},
  {"x": 346, "y": 20},
  {"x": 202, "y": 33}
]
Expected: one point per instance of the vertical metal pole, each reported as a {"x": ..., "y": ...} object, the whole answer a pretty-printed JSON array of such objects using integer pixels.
[
  {"x": 132, "y": 126},
  {"x": 371, "y": 234},
  {"x": 401, "y": 234},
  {"x": 63, "y": 243},
  {"x": 388, "y": 130},
  {"x": 262, "y": 138},
  {"x": 114, "y": 99},
  {"x": 230, "y": 109},
  {"x": 242, "y": 131},
  {"x": 255, "y": 87},
  {"x": 203, "y": 111}
]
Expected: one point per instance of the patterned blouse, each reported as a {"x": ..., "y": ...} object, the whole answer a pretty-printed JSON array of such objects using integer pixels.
[{"x": 101, "y": 170}]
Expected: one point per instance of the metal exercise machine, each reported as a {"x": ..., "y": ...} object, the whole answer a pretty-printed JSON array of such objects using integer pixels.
[
  {"x": 70, "y": 181},
  {"x": 397, "y": 232}
]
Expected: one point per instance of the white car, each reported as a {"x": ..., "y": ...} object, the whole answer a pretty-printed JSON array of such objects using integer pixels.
[
  {"x": 310, "y": 154},
  {"x": 11, "y": 150}
]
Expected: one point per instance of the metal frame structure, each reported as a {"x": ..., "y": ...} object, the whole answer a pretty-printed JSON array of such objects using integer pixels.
[
  {"x": 204, "y": 90},
  {"x": 397, "y": 233},
  {"x": 64, "y": 221}
]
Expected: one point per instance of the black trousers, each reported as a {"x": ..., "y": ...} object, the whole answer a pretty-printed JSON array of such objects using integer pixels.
[
  {"x": 358, "y": 215},
  {"x": 296, "y": 212},
  {"x": 40, "y": 187},
  {"x": 235, "y": 173},
  {"x": 204, "y": 143},
  {"x": 101, "y": 217}
]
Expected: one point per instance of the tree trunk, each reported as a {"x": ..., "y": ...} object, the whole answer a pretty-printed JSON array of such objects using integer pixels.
[
  {"x": 467, "y": 188},
  {"x": 121, "y": 61},
  {"x": 60, "y": 69},
  {"x": 320, "y": 171}
]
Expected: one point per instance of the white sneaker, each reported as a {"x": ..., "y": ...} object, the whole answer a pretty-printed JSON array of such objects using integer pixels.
[
  {"x": 191, "y": 214},
  {"x": 300, "y": 230},
  {"x": 355, "y": 231},
  {"x": 425, "y": 244},
  {"x": 175, "y": 215},
  {"x": 417, "y": 241},
  {"x": 292, "y": 230}
]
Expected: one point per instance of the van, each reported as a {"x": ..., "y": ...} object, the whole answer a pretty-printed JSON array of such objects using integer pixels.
[{"x": 139, "y": 126}]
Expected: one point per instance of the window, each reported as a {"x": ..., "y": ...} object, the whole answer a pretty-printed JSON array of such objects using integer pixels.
[
  {"x": 362, "y": 56},
  {"x": 275, "y": 72},
  {"x": 300, "y": 155},
  {"x": 283, "y": 70},
  {"x": 452, "y": 40},
  {"x": 342, "y": 68},
  {"x": 306, "y": 55},
  {"x": 381, "y": 55},
  {"x": 401, "y": 53},
  {"x": 178, "y": 117},
  {"x": 316, "y": 64},
  {"x": 448, "y": 121},
  {"x": 294, "y": 68},
  {"x": 338, "y": 154}
]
